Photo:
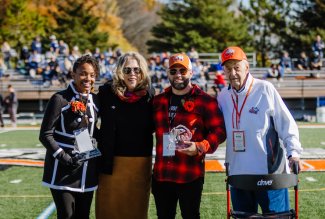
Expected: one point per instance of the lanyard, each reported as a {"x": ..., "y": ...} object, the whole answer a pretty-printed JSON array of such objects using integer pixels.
[{"x": 238, "y": 113}]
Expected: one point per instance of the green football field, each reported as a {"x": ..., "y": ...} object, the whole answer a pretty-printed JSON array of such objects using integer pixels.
[
  {"x": 22, "y": 196},
  {"x": 309, "y": 137}
]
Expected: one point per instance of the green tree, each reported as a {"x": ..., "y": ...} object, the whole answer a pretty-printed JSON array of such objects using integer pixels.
[
  {"x": 77, "y": 25},
  {"x": 307, "y": 22},
  {"x": 18, "y": 25},
  {"x": 268, "y": 20},
  {"x": 208, "y": 25}
]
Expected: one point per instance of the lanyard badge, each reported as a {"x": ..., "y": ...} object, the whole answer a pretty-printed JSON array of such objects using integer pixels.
[
  {"x": 238, "y": 141},
  {"x": 238, "y": 136}
]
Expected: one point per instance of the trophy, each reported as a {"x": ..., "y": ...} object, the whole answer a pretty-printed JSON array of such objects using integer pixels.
[
  {"x": 86, "y": 147},
  {"x": 178, "y": 135}
]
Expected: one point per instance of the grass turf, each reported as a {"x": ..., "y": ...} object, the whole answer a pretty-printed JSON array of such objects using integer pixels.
[
  {"x": 28, "y": 198},
  {"x": 309, "y": 137}
]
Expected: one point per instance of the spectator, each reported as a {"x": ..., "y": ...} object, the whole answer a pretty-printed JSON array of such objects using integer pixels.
[
  {"x": 273, "y": 72},
  {"x": 318, "y": 46},
  {"x": 303, "y": 62},
  {"x": 317, "y": 54},
  {"x": 198, "y": 74},
  {"x": 110, "y": 66},
  {"x": 54, "y": 44},
  {"x": 24, "y": 54},
  {"x": 63, "y": 49},
  {"x": 219, "y": 80},
  {"x": 193, "y": 54},
  {"x": 285, "y": 64},
  {"x": 37, "y": 45},
  {"x": 11, "y": 103},
  {"x": 34, "y": 63},
  {"x": 5, "y": 49},
  {"x": 97, "y": 54},
  {"x": 1, "y": 111},
  {"x": 3, "y": 67}
]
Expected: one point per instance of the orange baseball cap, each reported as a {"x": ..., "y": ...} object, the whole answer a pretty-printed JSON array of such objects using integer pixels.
[
  {"x": 232, "y": 52},
  {"x": 181, "y": 59}
]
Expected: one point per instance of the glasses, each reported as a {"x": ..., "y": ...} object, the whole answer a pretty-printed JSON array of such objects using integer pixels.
[
  {"x": 128, "y": 70},
  {"x": 173, "y": 71}
]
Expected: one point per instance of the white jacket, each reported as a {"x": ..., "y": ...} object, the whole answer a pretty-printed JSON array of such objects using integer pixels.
[{"x": 265, "y": 119}]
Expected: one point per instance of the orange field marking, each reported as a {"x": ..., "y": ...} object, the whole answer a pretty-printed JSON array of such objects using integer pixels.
[
  {"x": 21, "y": 162},
  {"x": 210, "y": 165},
  {"x": 308, "y": 165},
  {"x": 313, "y": 165},
  {"x": 213, "y": 165}
]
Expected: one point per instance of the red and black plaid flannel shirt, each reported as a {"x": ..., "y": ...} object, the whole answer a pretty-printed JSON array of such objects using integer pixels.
[{"x": 207, "y": 126}]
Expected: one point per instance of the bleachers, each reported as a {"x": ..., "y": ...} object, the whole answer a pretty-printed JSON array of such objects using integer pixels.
[{"x": 294, "y": 85}]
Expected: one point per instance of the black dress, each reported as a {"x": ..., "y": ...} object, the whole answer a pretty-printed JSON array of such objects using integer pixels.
[{"x": 56, "y": 132}]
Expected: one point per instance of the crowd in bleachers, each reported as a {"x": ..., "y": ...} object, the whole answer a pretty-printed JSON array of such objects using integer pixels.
[
  {"x": 54, "y": 65},
  {"x": 286, "y": 65}
]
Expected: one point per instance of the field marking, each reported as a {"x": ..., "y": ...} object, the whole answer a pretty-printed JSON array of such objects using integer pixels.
[
  {"x": 204, "y": 193},
  {"x": 25, "y": 196},
  {"x": 311, "y": 179},
  {"x": 47, "y": 211},
  {"x": 290, "y": 190},
  {"x": 4, "y": 131},
  {"x": 15, "y": 181},
  {"x": 311, "y": 126}
]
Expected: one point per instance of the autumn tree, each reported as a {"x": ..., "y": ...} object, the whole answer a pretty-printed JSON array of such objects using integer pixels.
[
  {"x": 18, "y": 25},
  {"x": 138, "y": 17},
  {"x": 77, "y": 25}
]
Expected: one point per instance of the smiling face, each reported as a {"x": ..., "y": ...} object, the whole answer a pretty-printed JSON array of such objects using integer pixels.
[
  {"x": 179, "y": 77},
  {"x": 84, "y": 78},
  {"x": 131, "y": 73},
  {"x": 236, "y": 72}
]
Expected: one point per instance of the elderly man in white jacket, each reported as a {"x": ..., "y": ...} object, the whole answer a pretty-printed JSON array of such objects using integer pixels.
[{"x": 256, "y": 118}]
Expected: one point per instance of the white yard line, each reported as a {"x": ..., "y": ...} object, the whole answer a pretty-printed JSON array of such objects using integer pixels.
[
  {"x": 311, "y": 179},
  {"x": 47, "y": 212}
]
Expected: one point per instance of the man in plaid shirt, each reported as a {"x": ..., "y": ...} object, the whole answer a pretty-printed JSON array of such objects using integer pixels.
[{"x": 188, "y": 125}]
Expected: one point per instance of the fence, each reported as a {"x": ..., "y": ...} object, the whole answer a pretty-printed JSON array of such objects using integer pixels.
[{"x": 216, "y": 58}]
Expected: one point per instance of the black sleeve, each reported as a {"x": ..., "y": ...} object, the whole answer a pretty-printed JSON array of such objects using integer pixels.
[
  {"x": 105, "y": 162},
  {"x": 51, "y": 118}
]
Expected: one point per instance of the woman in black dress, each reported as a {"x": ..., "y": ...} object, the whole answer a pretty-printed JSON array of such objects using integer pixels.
[
  {"x": 71, "y": 181},
  {"x": 126, "y": 141}
]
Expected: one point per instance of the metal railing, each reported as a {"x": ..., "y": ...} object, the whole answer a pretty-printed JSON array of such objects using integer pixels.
[{"x": 216, "y": 58}]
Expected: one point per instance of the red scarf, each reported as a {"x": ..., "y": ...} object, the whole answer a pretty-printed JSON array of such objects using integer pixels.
[{"x": 132, "y": 97}]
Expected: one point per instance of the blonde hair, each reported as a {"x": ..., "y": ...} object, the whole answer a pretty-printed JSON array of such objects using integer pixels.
[{"x": 119, "y": 85}]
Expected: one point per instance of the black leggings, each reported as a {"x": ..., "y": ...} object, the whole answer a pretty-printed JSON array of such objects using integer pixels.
[{"x": 70, "y": 205}]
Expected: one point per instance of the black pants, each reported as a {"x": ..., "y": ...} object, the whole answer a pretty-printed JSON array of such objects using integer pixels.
[
  {"x": 72, "y": 205},
  {"x": 1, "y": 119},
  {"x": 167, "y": 194}
]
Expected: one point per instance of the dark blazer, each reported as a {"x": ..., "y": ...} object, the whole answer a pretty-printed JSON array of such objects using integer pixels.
[
  {"x": 56, "y": 132},
  {"x": 126, "y": 128}
]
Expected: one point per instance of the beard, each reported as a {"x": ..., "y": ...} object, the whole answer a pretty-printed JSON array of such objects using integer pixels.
[{"x": 180, "y": 86}]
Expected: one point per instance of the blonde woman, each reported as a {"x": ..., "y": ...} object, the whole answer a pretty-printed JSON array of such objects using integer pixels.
[{"x": 125, "y": 141}]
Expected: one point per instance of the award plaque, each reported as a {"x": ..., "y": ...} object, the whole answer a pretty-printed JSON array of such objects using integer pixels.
[{"x": 85, "y": 145}]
